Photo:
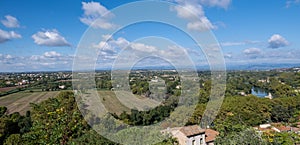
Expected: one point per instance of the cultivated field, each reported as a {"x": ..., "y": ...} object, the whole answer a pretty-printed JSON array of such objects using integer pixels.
[
  {"x": 19, "y": 102},
  {"x": 136, "y": 101},
  {"x": 109, "y": 102},
  {"x": 9, "y": 88},
  {"x": 113, "y": 104}
]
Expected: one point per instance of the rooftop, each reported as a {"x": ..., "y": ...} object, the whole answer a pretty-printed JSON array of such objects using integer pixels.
[
  {"x": 210, "y": 135},
  {"x": 192, "y": 130}
]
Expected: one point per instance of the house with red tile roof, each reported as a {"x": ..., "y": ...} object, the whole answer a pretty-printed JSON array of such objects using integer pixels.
[
  {"x": 210, "y": 136},
  {"x": 193, "y": 135}
]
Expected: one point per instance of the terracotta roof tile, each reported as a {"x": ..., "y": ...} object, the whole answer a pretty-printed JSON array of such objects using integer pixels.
[
  {"x": 284, "y": 128},
  {"x": 192, "y": 130},
  {"x": 264, "y": 129},
  {"x": 210, "y": 135},
  {"x": 295, "y": 129}
]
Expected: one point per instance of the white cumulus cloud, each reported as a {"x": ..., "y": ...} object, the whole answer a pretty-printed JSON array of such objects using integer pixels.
[
  {"x": 6, "y": 36},
  {"x": 216, "y": 3},
  {"x": 121, "y": 42},
  {"x": 49, "y": 38},
  {"x": 193, "y": 11},
  {"x": 189, "y": 11},
  {"x": 96, "y": 15},
  {"x": 52, "y": 54},
  {"x": 10, "y": 22},
  {"x": 201, "y": 25},
  {"x": 143, "y": 47},
  {"x": 277, "y": 41},
  {"x": 252, "y": 51},
  {"x": 7, "y": 56},
  {"x": 109, "y": 46}
]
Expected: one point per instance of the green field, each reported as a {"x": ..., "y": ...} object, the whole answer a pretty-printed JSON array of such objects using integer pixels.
[{"x": 19, "y": 102}]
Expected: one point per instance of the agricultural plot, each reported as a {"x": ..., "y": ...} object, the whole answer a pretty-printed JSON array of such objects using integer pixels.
[
  {"x": 125, "y": 101},
  {"x": 20, "y": 102},
  {"x": 7, "y": 89},
  {"x": 135, "y": 101},
  {"x": 109, "y": 102}
]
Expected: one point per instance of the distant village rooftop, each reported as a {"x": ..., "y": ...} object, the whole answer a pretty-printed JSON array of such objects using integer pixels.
[{"x": 277, "y": 127}]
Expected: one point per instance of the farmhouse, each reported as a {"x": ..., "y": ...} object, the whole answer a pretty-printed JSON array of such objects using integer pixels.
[{"x": 193, "y": 135}]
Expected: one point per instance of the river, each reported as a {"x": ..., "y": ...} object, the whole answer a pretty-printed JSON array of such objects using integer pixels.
[{"x": 259, "y": 92}]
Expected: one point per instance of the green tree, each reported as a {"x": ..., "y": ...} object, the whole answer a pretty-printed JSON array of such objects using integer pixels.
[
  {"x": 91, "y": 137},
  {"x": 56, "y": 121},
  {"x": 2, "y": 111},
  {"x": 244, "y": 137},
  {"x": 14, "y": 139}
]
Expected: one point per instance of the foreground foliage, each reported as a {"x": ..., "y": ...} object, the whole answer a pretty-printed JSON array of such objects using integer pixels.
[{"x": 54, "y": 121}]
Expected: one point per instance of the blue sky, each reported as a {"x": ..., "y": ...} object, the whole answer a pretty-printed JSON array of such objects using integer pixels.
[{"x": 44, "y": 35}]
